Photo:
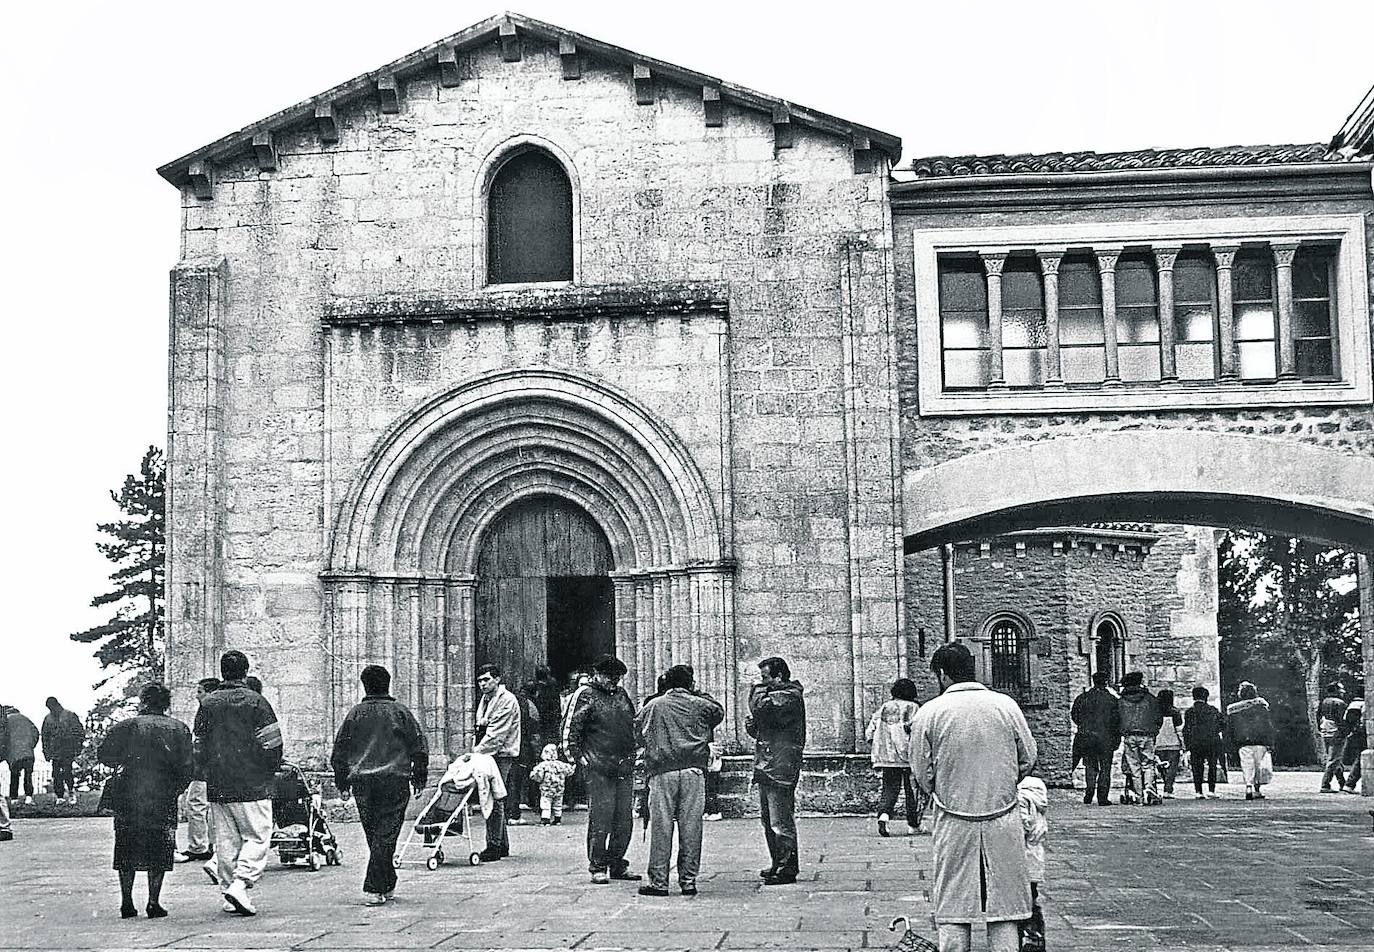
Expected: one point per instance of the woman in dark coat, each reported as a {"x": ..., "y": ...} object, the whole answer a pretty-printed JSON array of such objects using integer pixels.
[{"x": 154, "y": 751}]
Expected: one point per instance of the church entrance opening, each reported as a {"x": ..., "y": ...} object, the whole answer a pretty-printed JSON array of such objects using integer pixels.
[{"x": 544, "y": 595}]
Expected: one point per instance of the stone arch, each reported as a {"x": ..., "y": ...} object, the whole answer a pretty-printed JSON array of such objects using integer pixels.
[
  {"x": 486, "y": 173},
  {"x": 404, "y": 545},
  {"x": 1116, "y": 623},
  {"x": 983, "y": 641},
  {"x": 1172, "y": 475}
]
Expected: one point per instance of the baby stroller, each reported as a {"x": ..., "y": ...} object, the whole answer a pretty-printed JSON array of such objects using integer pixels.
[
  {"x": 299, "y": 828},
  {"x": 1131, "y": 794},
  {"x": 448, "y": 813}
]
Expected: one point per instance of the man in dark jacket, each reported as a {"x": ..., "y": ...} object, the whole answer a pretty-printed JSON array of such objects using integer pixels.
[
  {"x": 675, "y": 730},
  {"x": 1249, "y": 727},
  {"x": 379, "y": 755},
  {"x": 777, "y": 722},
  {"x": 1330, "y": 724},
  {"x": 601, "y": 740},
  {"x": 1098, "y": 718},
  {"x": 6, "y": 834},
  {"x": 1356, "y": 739},
  {"x": 1203, "y": 728},
  {"x": 63, "y": 735},
  {"x": 239, "y": 748},
  {"x": 1140, "y": 722},
  {"x": 23, "y": 740}
]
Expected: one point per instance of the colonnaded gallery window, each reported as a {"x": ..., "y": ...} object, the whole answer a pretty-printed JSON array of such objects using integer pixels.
[
  {"x": 530, "y": 221},
  {"x": 1314, "y": 276},
  {"x": 1137, "y": 318},
  {"x": 1195, "y": 317},
  {"x": 1082, "y": 342},
  {"x": 1256, "y": 316},
  {"x": 964, "y": 322},
  {"x": 1023, "y": 323},
  {"x": 1010, "y": 651}
]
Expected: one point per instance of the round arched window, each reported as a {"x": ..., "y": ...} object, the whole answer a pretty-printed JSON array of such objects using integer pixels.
[
  {"x": 1010, "y": 649},
  {"x": 529, "y": 221}
]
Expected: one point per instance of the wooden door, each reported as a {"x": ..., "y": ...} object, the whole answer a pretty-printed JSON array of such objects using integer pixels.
[{"x": 542, "y": 554}]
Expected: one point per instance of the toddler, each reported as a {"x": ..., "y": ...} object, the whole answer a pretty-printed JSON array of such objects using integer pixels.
[
  {"x": 551, "y": 774},
  {"x": 1034, "y": 800}
]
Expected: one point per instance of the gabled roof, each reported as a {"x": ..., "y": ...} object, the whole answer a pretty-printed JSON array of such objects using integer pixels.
[
  {"x": 1356, "y": 137},
  {"x": 441, "y": 56},
  {"x": 946, "y": 166}
]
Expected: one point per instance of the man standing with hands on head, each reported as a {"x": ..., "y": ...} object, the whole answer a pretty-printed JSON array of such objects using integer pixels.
[
  {"x": 970, "y": 747},
  {"x": 777, "y": 722},
  {"x": 498, "y": 735},
  {"x": 379, "y": 755}
]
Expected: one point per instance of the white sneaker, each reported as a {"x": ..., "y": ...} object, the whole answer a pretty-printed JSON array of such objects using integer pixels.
[
  {"x": 712, "y": 817},
  {"x": 374, "y": 899},
  {"x": 211, "y": 868},
  {"x": 228, "y": 906},
  {"x": 237, "y": 896},
  {"x": 28, "y": 801}
]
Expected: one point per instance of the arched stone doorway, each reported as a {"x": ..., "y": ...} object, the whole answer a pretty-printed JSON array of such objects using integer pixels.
[{"x": 544, "y": 592}]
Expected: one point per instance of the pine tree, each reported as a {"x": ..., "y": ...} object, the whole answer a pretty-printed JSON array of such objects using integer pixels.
[{"x": 132, "y": 642}]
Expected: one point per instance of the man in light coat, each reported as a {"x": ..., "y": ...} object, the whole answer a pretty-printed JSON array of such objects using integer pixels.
[
  {"x": 498, "y": 735},
  {"x": 970, "y": 748}
]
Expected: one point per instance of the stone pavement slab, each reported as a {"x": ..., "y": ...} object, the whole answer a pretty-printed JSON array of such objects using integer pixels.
[{"x": 1295, "y": 871}]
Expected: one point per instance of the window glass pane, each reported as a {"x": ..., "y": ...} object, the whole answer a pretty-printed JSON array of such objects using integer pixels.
[
  {"x": 1083, "y": 364},
  {"x": 1311, "y": 273},
  {"x": 1314, "y": 358},
  {"x": 1135, "y": 283},
  {"x": 1257, "y": 360},
  {"x": 529, "y": 229},
  {"x": 1251, "y": 277},
  {"x": 1138, "y": 363},
  {"x": 1195, "y": 361},
  {"x": 1021, "y": 288},
  {"x": 1024, "y": 368},
  {"x": 1010, "y": 658},
  {"x": 1192, "y": 281},
  {"x": 966, "y": 368},
  {"x": 1137, "y": 325},
  {"x": 1079, "y": 283},
  {"x": 965, "y": 328},
  {"x": 1311, "y": 319},
  {"x": 1080, "y": 326},
  {"x": 963, "y": 287},
  {"x": 1023, "y": 328},
  {"x": 1255, "y": 323},
  {"x": 1193, "y": 323}
]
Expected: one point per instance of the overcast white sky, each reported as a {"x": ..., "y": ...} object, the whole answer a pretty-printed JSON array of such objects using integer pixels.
[{"x": 100, "y": 94}]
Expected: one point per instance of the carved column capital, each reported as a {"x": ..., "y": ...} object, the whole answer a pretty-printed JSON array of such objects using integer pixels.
[
  {"x": 1283, "y": 253},
  {"x": 1106, "y": 259},
  {"x": 1225, "y": 255},
  {"x": 1165, "y": 256},
  {"x": 1049, "y": 262},
  {"x": 993, "y": 262}
]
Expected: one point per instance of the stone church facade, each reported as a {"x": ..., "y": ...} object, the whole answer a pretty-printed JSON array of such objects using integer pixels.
[{"x": 526, "y": 347}]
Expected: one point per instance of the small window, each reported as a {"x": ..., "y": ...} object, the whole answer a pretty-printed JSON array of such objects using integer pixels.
[
  {"x": 1313, "y": 336},
  {"x": 1010, "y": 658},
  {"x": 964, "y": 323},
  {"x": 1082, "y": 344},
  {"x": 1252, "y": 281},
  {"x": 529, "y": 221},
  {"x": 1110, "y": 653},
  {"x": 1195, "y": 318},
  {"x": 1023, "y": 324},
  {"x": 1137, "y": 319}
]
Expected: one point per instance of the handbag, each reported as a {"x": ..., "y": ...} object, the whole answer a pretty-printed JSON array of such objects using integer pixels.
[
  {"x": 910, "y": 941},
  {"x": 1265, "y": 772},
  {"x": 113, "y": 794}
]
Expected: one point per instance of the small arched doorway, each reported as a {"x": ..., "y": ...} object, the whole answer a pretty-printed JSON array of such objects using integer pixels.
[{"x": 544, "y": 593}]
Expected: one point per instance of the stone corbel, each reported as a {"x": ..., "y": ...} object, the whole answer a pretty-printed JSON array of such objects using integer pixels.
[
  {"x": 510, "y": 42},
  {"x": 202, "y": 178},
  {"x": 325, "y": 126},
  {"x": 644, "y": 85},
  {"x": 865, "y": 156},
  {"x": 265, "y": 151},
  {"x": 782, "y": 127},
  {"x": 448, "y": 66},
  {"x": 567, "y": 55},
  {"x": 388, "y": 94},
  {"x": 712, "y": 106}
]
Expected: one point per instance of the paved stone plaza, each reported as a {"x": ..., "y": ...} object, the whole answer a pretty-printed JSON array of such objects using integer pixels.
[{"x": 1296, "y": 871}]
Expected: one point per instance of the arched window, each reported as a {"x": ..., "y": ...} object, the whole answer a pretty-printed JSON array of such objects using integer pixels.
[
  {"x": 1010, "y": 650},
  {"x": 530, "y": 221},
  {"x": 1109, "y": 648}
]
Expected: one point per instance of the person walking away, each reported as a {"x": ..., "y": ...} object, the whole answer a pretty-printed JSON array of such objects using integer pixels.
[
  {"x": 713, "y": 770},
  {"x": 1034, "y": 800},
  {"x": 777, "y": 722},
  {"x": 1203, "y": 728},
  {"x": 1140, "y": 721},
  {"x": 1356, "y": 740},
  {"x": 379, "y": 756},
  {"x": 1168, "y": 743},
  {"x": 970, "y": 748},
  {"x": 1330, "y": 724},
  {"x": 153, "y": 753},
  {"x": 198, "y": 845},
  {"x": 675, "y": 730},
  {"x": 23, "y": 740},
  {"x": 1097, "y": 716},
  {"x": 62, "y": 735},
  {"x": 601, "y": 742},
  {"x": 575, "y": 790},
  {"x": 239, "y": 745},
  {"x": 889, "y": 738},
  {"x": 6, "y": 827},
  {"x": 525, "y": 760},
  {"x": 1251, "y": 730},
  {"x": 498, "y": 736},
  {"x": 551, "y": 774}
]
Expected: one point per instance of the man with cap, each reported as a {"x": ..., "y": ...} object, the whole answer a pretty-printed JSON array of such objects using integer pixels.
[{"x": 601, "y": 740}]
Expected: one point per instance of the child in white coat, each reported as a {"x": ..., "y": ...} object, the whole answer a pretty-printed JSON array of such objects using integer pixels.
[
  {"x": 551, "y": 774},
  {"x": 889, "y": 733},
  {"x": 1034, "y": 800}
]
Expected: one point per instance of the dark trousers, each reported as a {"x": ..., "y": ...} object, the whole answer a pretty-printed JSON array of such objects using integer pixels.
[
  {"x": 610, "y": 821},
  {"x": 777, "y": 808},
  {"x": 497, "y": 840},
  {"x": 24, "y": 765},
  {"x": 1033, "y": 929},
  {"x": 898, "y": 780},
  {"x": 1097, "y": 771},
  {"x": 1335, "y": 752},
  {"x": 1200, "y": 760},
  {"x": 62, "y": 781},
  {"x": 382, "y": 812},
  {"x": 1169, "y": 767},
  {"x": 712, "y": 791},
  {"x": 515, "y": 789}
]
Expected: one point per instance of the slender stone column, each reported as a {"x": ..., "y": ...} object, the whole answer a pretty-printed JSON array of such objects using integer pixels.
[
  {"x": 1165, "y": 256},
  {"x": 645, "y": 626},
  {"x": 1106, "y": 269},
  {"x": 1283, "y": 266},
  {"x": 460, "y": 647},
  {"x": 626, "y": 648},
  {"x": 994, "y": 263},
  {"x": 1226, "y": 309},
  {"x": 417, "y": 678},
  {"x": 1049, "y": 270},
  {"x": 440, "y": 726}
]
